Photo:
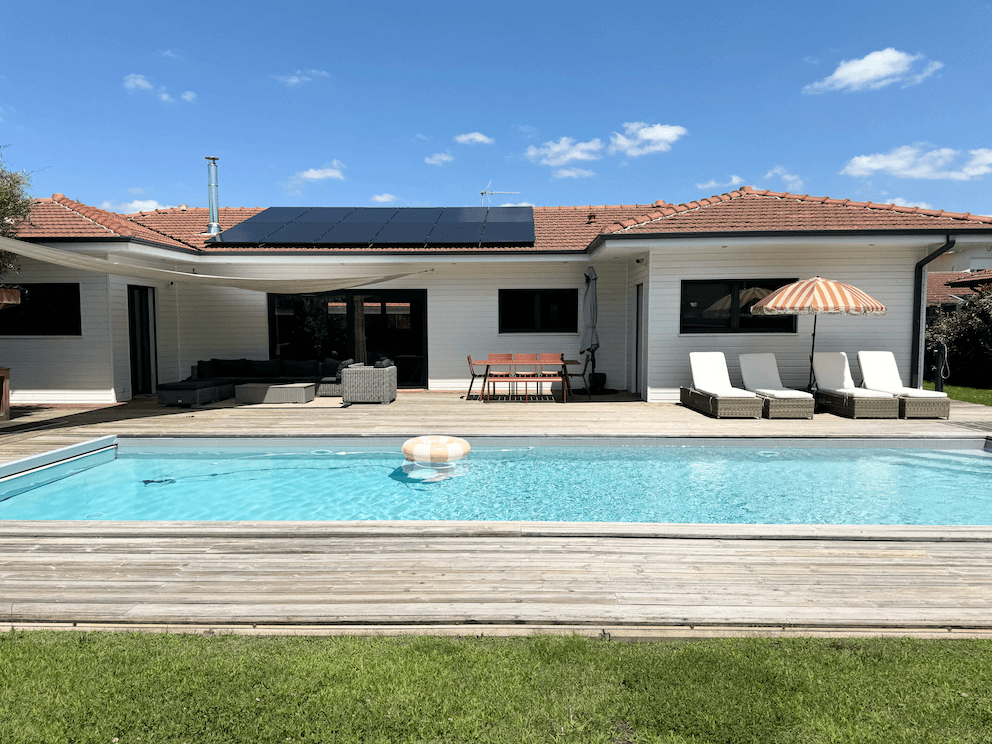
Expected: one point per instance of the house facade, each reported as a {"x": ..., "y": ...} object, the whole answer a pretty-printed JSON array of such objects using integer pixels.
[{"x": 122, "y": 303}]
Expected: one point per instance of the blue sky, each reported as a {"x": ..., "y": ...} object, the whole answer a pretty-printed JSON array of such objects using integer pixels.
[{"x": 404, "y": 104}]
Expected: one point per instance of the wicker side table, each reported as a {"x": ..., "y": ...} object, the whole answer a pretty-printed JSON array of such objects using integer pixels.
[{"x": 260, "y": 392}]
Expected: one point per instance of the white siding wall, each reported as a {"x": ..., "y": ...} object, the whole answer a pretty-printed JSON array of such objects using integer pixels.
[
  {"x": 637, "y": 273},
  {"x": 885, "y": 271},
  {"x": 63, "y": 369}
]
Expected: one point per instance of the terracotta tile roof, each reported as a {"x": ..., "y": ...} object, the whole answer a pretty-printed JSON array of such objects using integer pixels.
[
  {"x": 938, "y": 293},
  {"x": 188, "y": 224},
  {"x": 63, "y": 218},
  {"x": 973, "y": 279},
  {"x": 748, "y": 210}
]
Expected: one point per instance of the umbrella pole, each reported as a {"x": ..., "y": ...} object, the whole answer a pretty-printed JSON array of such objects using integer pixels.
[{"x": 809, "y": 386}]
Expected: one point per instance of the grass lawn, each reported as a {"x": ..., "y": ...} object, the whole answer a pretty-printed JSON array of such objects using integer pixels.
[
  {"x": 126, "y": 688},
  {"x": 968, "y": 395}
]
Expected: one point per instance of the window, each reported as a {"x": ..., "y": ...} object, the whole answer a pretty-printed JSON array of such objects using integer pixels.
[
  {"x": 724, "y": 306},
  {"x": 45, "y": 310},
  {"x": 538, "y": 310}
]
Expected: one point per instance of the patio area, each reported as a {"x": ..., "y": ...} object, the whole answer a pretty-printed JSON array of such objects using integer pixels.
[{"x": 492, "y": 578}]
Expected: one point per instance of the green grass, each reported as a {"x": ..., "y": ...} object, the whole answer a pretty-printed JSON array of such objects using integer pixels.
[
  {"x": 968, "y": 395},
  {"x": 126, "y": 688}
]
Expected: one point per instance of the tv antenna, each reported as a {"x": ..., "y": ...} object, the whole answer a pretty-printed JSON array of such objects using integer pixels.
[{"x": 487, "y": 193}]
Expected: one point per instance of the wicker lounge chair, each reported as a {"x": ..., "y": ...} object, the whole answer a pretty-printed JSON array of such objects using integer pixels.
[
  {"x": 879, "y": 370},
  {"x": 711, "y": 392},
  {"x": 361, "y": 384},
  {"x": 760, "y": 374},
  {"x": 836, "y": 393}
]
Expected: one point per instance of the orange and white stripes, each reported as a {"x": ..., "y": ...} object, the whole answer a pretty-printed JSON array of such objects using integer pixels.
[{"x": 818, "y": 296}]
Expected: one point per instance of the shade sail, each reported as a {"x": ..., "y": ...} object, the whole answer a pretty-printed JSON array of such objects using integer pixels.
[
  {"x": 119, "y": 268},
  {"x": 818, "y": 296}
]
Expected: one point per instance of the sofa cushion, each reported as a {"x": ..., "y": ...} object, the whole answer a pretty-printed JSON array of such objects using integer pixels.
[
  {"x": 187, "y": 385},
  {"x": 228, "y": 367},
  {"x": 330, "y": 367},
  {"x": 384, "y": 362},
  {"x": 263, "y": 368},
  {"x": 292, "y": 368}
]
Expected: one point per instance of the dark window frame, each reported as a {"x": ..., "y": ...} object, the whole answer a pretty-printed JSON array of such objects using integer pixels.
[
  {"x": 538, "y": 299},
  {"x": 755, "y": 324},
  {"x": 46, "y": 309}
]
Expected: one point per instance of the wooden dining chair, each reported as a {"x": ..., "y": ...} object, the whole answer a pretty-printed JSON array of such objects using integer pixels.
[
  {"x": 475, "y": 375},
  {"x": 500, "y": 370},
  {"x": 582, "y": 374}
]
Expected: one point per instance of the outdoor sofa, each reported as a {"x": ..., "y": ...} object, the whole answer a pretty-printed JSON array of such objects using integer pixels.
[
  {"x": 215, "y": 379},
  {"x": 711, "y": 392}
]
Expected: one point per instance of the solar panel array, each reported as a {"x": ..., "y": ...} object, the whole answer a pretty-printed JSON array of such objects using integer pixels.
[{"x": 384, "y": 226}]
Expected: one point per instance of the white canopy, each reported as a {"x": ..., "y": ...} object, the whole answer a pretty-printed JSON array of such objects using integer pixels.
[{"x": 106, "y": 266}]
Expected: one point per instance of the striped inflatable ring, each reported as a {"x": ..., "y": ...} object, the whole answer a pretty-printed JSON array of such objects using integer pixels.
[{"x": 435, "y": 449}]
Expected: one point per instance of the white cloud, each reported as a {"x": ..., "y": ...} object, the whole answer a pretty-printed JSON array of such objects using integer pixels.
[
  {"x": 384, "y": 198},
  {"x": 136, "y": 191},
  {"x": 137, "y": 82},
  {"x": 573, "y": 173},
  {"x": 907, "y": 203},
  {"x": 420, "y": 137},
  {"x": 1, "y": 114},
  {"x": 438, "y": 158},
  {"x": 140, "y": 83},
  {"x": 792, "y": 182},
  {"x": 876, "y": 70},
  {"x": 296, "y": 182},
  {"x": 564, "y": 151},
  {"x": 171, "y": 54},
  {"x": 474, "y": 138},
  {"x": 640, "y": 138},
  {"x": 911, "y": 161},
  {"x": 138, "y": 205},
  {"x": 526, "y": 130},
  {"x": 300, "y": 77},
  {"x": 714, "y": 184},
  {"x": 517, "y": 204}
]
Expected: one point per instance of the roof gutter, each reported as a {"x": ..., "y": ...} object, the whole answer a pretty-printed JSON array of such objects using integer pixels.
[{"x": 919, "y": 285}]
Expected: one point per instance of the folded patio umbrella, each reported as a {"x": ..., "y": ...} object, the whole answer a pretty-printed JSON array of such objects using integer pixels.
[
  {"x": 590, "y": 337},
  {"x": 818, "y": 296}
]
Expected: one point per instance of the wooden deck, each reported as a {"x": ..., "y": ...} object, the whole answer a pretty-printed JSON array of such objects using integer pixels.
[{"x": 626, "y": 580}]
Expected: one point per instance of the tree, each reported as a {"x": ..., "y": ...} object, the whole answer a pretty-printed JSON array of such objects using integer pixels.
[
  {"x": 967, "y": 334},
  {"x": 15, "y": 207}
]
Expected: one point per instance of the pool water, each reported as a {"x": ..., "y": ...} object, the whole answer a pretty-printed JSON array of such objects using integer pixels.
[{"x": 790, "y": 485}]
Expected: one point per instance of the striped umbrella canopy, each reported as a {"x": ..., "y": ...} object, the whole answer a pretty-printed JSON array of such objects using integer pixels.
[
  {"x": 818, "y": 296},
  {"x": 750, "y": 294}
]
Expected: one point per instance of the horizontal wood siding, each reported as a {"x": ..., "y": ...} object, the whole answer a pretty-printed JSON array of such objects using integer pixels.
[
  {"x": 63, "y": 369},
  {"x": 885, "y": 271}
]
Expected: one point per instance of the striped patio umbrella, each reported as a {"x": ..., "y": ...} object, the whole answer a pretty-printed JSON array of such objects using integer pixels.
[{"x": 818, "y": 296}]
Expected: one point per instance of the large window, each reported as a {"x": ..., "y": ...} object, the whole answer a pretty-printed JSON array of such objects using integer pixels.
[
  {"x": 45, "y": 310},
  {"x": 538, "y": 310},
  {"x": 724, "y": 306}
]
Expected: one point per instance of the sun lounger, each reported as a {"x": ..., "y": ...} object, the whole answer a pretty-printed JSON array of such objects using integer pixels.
[
  {"x": 711, "y": 392},
  {"x": 879, "y": 370},
  {"x": 837, "y": 394},
  {"x": 760, "y": 374}
]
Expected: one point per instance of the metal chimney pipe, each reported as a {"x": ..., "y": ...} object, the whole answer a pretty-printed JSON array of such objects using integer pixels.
[{"x": 214, "y": 227}]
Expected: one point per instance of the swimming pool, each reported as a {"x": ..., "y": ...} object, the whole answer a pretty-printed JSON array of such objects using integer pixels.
[{"x": 851, "y": 482}]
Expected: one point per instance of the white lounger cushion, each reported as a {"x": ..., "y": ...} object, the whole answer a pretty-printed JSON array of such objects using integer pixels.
[
  {"x": 709, "y": 375},
  {"x": 760, "y": 373},
  {"x": 880, "y": 372},
  {"x": 833, "y": 375}
]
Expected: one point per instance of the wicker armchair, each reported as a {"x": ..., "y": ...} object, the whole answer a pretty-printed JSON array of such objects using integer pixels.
[{"x": 360, "y": 384}]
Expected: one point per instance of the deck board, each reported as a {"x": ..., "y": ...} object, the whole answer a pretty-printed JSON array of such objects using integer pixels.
[{"x": 458, "y": 574}]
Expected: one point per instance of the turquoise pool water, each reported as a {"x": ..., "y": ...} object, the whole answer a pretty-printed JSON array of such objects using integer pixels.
[{"x": 790, "y": 485}]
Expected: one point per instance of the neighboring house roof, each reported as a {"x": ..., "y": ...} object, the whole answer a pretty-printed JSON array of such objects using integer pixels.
[
  {"x": 973, "y": 279},
  {"x": 938, "y": 291},
  {"x": 556, "y": 229},
  {"x": 749, "y": 211}
]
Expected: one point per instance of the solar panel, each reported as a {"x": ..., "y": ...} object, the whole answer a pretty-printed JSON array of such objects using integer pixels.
[
  {"x": 279, "y": 214},
  {"x": 508, "y": 232},
  {"x": 299, "y": 232},
  {"x": 328, "y": 215},
  {"x": 463, "y": 214},
  {"x": 382, "y": 215},
  {"x": 409, "y": 226},
  {"x": 246, "y": 232},
  {"x": 509, "y": 225},
  {"x": 456, "y": 233},
  {"x": 351, "y": 233}
]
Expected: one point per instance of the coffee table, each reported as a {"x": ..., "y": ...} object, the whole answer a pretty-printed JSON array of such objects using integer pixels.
[{"x": 261, "y": 392}]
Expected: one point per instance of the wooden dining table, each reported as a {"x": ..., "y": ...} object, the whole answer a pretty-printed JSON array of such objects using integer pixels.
[{"x": 489, "y": 362}]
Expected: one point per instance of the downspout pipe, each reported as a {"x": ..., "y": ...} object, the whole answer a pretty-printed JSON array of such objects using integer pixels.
[
  {"x": 919, "y": 309},
  {"x": 214, "y": 227}
]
